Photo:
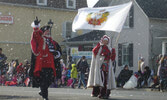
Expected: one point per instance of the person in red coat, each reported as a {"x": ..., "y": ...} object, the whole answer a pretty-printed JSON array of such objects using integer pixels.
[
  {"x": 101, "y": 76},
  {"x": 43, "y": 69}
]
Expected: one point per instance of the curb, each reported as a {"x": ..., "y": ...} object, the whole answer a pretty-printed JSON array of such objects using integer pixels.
[{"x": 141, "y": 89}]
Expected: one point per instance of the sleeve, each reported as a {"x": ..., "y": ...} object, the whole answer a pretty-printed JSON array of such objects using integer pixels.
[
  {"x": 58, "y": 55},
  {"x": 96, "y": 49},
  {"x": 57, "y": 47},
  {"x": 113, "y": 54},
  {"x": 34, "y": 44},
  {"x": 72, "y": 70}
]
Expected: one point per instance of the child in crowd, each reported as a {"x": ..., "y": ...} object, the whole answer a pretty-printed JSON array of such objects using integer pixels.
[
  {"x": 20, "y": 74},
  {"x": 11, "y": 69},
  {"x": 2, "y": 79},
  {"x": 63, "y": 76},
  {"x": 63, "y": 73},
  {"x": 74, "y": 74}
]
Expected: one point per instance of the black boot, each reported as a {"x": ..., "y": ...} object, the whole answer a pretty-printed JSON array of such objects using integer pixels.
[
  {"x": 45, "y": 99},
  {"x": 108, "y": 93},
  {"x": 40, "y": 93}
]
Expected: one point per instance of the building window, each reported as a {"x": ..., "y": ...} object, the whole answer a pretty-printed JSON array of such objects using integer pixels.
[
  {"x": 41, "y": 2},
  {"x": 71, "y": 4},
  {"x": 67, "y": 30},
  {"x": 164, "y": 47},
  {"x": 125, "y": 54}
]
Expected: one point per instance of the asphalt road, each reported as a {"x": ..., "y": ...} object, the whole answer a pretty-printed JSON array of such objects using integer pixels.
[{"x": 28, "y": 93}]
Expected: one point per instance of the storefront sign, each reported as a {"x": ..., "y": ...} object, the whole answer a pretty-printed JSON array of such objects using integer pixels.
[
  {"x": 78, "y": 54},
  {"x": 6, "y": 19}
]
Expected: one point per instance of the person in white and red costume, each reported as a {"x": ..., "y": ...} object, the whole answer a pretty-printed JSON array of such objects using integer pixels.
[
  {"x": 101, "y": 75},
  {"x": 43, "y": 69}
]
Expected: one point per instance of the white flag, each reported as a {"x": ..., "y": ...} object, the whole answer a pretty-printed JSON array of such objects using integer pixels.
[
  {"x": 102, "y": 18},
  {"x": 91, "y": 3}
]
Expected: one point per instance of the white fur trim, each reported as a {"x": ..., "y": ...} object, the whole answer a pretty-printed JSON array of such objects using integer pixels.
[
  {"x": 109, "y": 41},
  {"x": 57, "y": 56},
  {"x": 35, "y": 26},
  {"x": 44, "y": 43}
]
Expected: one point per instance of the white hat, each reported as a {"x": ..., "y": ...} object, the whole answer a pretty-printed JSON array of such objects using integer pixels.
[{"x": 35, "y": 26}]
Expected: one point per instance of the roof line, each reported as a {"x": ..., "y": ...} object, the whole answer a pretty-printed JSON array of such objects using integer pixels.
[
  {"x": 33, "y": 6},
  {"x": 141, "y": 9},
  {"x": 80, "y": 42},
  {"x": 163, "y": 19},
  {"x": 13, "y": 42},
  {"x": 160, "y": 37}
]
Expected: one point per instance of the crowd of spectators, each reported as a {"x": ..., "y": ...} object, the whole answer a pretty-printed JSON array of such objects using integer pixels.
[{"x": 17, "y": 74}]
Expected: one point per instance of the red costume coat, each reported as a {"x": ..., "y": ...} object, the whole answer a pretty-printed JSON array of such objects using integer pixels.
[
  {"x": 44, "y": 59},
  {"x": 104, "y": 52}
]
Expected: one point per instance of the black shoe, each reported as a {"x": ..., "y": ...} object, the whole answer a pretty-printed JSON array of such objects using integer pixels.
[
  {"x": 102, "y": 97},
  {"x": 40, "y": 93},
  {"x": 92, "y": 95},
  {"x": 105, "y": 97}
]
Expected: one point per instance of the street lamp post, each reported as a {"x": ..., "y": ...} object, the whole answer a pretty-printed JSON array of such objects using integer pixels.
[{"x": 50, "y": 23}]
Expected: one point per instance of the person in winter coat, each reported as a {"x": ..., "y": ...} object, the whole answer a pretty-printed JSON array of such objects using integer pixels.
[
  {"x": 70, "y": 62},
  {"x": 64, "y": 72},
  {"x": 43, "y": 69},
  {"x": 124, "y": 76},
  {"x": 158, "y": 63},
  {"x": 20, "y": 69},
  {"x": 26, "y": 68},
  {"x": 55, "y": 49},
  {"x": 142, "y": 65},
  {"x": 144, "y": 77},
  {"x": 74, "y": 74},
  {"x": 11, "y": 69},
  {"x": 82, "y": 67},
  {"x": 101, "y": 75},
  {"x": 162, "y": 73},
  {"x": 20, "y": 74},
  {"x": 3, "y": 59}
]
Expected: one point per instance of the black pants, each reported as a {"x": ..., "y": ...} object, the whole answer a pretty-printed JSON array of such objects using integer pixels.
[
  {"x": 140, "y": 80},
  {"x": 163, "y": 84},
  {"x": 102, "y": 91},
  {"x": 97, "y": 91},
  {"x": 46, "y": 78}
]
